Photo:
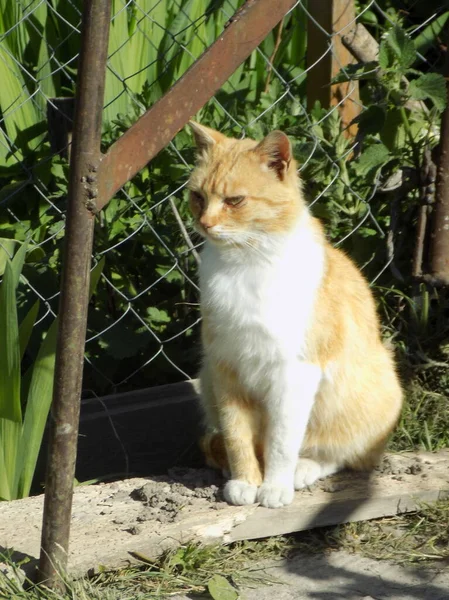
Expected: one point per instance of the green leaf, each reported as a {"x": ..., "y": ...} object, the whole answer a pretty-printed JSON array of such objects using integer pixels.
[
  {"x": 35, "y": 255},
  {"x": 9, "y": 343},
  {"x": 428, "y": 36},
  {"x": 26, "y": 327},
  {"x": 402, "y": 46},
  {"x": 36, "y": 413},
  {"x": 372, "y": 158},
  {"x": 371, "y": 120},
  {"x": 159, "y": 316},
  {"x": 368, "y": 17},
  {"x": 6, "y": 251},
  {"x": 220, "y": 588},
  {"x": 431, "y": 86},
  {"x": 5, "y": 490},
  {"x": 397, "y": 48},
  {"x": 95, "y": 275},
  {"x": 386, "y": 57},
  {"x": 18, "y": 113},
  {"x": 39, "y": 397},
  {"x": 393, "y": 132},
  {"x": 17, "y": 263},
  {"x": 10, "y": 432},
  {"x": 357, "y": 71}
]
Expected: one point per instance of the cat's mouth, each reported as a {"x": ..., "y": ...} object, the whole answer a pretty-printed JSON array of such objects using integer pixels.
[
  {"x": 216, "y": 236},
  {"x": 220, "y": 239}
]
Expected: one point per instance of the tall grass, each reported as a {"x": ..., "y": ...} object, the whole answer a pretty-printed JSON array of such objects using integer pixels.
[
  {"x": 24, "y": 400},
  {"x": 25, "y": 394},
  {"x": 152, "y": 43}
]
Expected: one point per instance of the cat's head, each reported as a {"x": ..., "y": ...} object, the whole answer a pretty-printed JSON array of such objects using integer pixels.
[{"x": 242, "y": 191}]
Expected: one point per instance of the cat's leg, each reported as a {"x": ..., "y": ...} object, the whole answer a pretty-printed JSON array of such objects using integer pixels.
[
  {"x": 233, "y": 430},
  {"x": 289, "y": 405},
  {"x": 238, "y": 436},
  {"x": 213, "y": 448},
  {"x": 211, "y": 442}
]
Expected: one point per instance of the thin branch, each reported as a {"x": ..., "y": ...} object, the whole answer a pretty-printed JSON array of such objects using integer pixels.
[
  {"x": 273, "y": 55},
  {"x": 184, "y": 231}
]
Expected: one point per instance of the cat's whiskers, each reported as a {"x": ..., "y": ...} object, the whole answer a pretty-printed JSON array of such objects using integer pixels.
[
  {"x": 240, "y": 240},
  {"x": 257, "y": 250}
]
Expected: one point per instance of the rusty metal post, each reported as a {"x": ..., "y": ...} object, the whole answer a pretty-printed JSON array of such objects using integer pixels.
[
  {"x": 153, "y": 131},
  {"x": 439, "y": 243},
  {"x": 85, "y": 157}
]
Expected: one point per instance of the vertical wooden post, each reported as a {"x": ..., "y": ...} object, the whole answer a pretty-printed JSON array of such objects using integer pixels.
[{"x": 326, "y": 55}]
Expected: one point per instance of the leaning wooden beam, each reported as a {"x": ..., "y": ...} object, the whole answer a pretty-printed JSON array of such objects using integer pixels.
[
  {"x": 361, "y": 43},
  {"x": 114, "y": 522}
]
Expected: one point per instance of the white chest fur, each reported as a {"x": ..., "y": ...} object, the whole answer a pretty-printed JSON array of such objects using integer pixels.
[{"x": 260, "y": 309}]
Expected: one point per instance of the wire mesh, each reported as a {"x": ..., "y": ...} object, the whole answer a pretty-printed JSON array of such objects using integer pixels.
[{"x": 144, "y": 316}]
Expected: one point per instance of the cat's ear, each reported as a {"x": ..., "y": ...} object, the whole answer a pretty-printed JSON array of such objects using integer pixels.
[
  {"x": 205, "y": 137},
  {"x": 275, "y": 151}
]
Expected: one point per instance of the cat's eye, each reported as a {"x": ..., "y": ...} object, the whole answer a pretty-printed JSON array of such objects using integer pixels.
[
  {"x": 234, "y": 200},
  {"x": 197, "y": 197}
]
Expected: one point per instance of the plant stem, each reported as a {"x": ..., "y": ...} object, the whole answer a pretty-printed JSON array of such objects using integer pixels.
[{"x": 408, "y": 130}]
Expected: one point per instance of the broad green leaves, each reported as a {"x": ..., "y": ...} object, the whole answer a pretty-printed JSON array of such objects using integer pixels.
[
  {"x": 392, "y": 128},
  {"x": 430, "y": 86},
  {"x": 372, "y": 120},
  {"x": 397, "y": 54},
  {"x": 397, "y": 49},
  {"x": 374, "y": 157}
]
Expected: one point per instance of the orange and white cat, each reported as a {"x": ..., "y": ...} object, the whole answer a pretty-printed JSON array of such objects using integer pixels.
[{"x": 296, "y": 382}]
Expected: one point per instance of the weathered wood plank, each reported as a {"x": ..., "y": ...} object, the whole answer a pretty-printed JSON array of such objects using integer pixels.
[
  {"x": 112, "y": 521},
  {"x": 349, "y": 497},
  {"x": 327, "y": 55}
]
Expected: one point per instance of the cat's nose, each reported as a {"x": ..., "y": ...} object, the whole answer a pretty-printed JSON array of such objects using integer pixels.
[{"x": 206, "y": 223}]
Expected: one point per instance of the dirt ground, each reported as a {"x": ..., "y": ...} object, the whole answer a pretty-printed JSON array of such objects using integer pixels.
[{"x": 340, "y": 575}]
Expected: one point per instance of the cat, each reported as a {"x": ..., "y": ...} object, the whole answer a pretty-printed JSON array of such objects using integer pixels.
[{"x": 296, "y": 383}]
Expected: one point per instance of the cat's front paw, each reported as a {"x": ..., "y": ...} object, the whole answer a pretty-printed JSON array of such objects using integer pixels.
[
  {"x": 240, "y": 492},
  {"x": 308, "y": 471},
  {"x": 275, "y": 495}
]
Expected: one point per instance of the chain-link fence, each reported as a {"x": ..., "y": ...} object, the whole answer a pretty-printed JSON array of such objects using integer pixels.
[{"x": 144, "y": 317}]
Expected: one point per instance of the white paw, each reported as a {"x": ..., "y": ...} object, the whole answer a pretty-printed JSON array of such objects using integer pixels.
[
  {"x": 240, "y": 492},
  {"x": 308, "y": 471},
  {"x": 275, "y": 495}
]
